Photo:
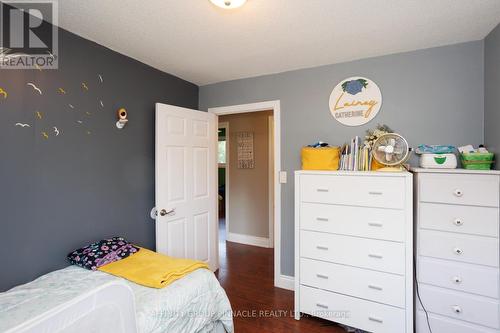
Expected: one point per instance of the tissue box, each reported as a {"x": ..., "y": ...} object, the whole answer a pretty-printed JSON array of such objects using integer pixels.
[{"x": 438, "y": 161}]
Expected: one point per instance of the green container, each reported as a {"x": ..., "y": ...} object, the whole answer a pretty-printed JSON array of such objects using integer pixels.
[{"x": 477, "y": 161}]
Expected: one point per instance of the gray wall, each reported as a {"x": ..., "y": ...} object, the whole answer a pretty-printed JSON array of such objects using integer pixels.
[
  {"x": 492, "y": 91},
  {"x": 64, "y": 192},
  {"x": 432, "y": 96}
]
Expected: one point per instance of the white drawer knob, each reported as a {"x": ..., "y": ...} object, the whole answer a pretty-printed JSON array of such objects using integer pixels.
[
  {"x": 458, "y": 222},
  {"x": 458, "y": 192},
  {"x": 458, "y": 251},
  {"x": 457, "y": 279},
  {"x": 456, "y": 309}
]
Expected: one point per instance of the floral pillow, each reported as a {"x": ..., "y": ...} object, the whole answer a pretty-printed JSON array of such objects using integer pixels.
[{"x": 102, "y": 253}]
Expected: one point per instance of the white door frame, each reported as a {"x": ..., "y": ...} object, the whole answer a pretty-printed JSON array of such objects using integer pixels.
[
  {"x": 225, "y": 125},
  {"x": 271, "y": 175},
  {"x": 275, "y": 107}
]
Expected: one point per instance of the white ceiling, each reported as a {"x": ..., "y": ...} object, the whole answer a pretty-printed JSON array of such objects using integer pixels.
[{"x": 203, "y": 44}]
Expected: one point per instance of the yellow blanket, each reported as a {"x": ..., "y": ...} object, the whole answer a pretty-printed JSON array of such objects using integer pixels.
[{"x": 152, "y": 269}]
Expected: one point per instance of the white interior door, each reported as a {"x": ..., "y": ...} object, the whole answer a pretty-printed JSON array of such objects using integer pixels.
[{"x": 186, "y": 184}]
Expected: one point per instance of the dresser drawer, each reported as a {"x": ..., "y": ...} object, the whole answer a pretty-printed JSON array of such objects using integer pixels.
[
  {"x": 462, "y": 219},
  {"x": 478, "y": 190},
  {"x": 459, "y": 276},
  {"x": 352, "y": 311},
  {"x": 466, "y": 248},
  {"x": 378, "y": 223},
  {"x": 440, "y": 324},
  {"x": 360, "y": 252},
  {"x": 363, "y": 283},
  {"x": 471, "y": 308},
  {"x": 385, "y": 192}
]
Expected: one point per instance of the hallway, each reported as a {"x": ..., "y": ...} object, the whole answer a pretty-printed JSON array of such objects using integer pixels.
[{"x": 246, "y": 273}]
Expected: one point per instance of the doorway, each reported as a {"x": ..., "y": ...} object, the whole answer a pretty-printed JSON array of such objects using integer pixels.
[
  {"x": 223, "y": 179},
  {"x": 273, "y": 215},
  {"x": 245, "y": 156}
]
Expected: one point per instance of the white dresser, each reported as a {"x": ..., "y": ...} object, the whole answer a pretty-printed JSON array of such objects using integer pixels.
[
  {"x": 457, "y": 229},
  {"x": 353, "y": 248}
]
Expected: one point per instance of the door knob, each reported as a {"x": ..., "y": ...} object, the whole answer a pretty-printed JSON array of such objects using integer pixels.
[{"x": 164, "y": 212}]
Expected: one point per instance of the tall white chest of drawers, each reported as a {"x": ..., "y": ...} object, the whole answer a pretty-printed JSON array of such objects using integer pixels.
[
  {"x": 353, "y": 248},
  {"x": 457, "y": 230}
]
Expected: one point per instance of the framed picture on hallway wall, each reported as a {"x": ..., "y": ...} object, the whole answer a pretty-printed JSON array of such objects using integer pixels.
[{"x": 244, "y": 142}]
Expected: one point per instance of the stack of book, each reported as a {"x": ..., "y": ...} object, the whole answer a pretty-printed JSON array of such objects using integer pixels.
[{"x": 355, "y": 157}]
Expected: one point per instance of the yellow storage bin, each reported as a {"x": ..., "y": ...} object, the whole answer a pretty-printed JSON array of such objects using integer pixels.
[{"x": 324, "y": 158}]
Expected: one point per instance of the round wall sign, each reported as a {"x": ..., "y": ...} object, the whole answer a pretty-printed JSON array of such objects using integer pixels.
[{"x": 355, "y": 101}]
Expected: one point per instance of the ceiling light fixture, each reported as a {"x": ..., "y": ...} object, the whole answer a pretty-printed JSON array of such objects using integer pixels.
[{"x": 228, "y": 4}]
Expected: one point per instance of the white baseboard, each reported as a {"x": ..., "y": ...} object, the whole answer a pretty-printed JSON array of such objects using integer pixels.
[
  {"x": 247, "y": 239},
  {"x": 285, "y": 282}
]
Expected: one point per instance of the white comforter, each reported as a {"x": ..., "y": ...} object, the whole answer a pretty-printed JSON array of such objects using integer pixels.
[{"x": 195, "y": 303}]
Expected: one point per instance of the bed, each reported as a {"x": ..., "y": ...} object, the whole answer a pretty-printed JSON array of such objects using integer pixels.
[{"x": 74, "y": 299}]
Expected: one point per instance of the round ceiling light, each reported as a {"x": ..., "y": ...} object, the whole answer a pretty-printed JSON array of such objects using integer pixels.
[{"x": 228, "y": 4}]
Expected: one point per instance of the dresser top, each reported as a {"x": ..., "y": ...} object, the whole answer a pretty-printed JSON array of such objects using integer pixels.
[
  {"x": 456, "y": 171},
  {"x": 355, "y": 173}
]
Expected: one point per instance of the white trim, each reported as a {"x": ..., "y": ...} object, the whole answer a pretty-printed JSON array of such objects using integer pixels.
[
  {"x": 255, "y": 107},
  {"x": 270, "y": 125},
  {"x": 285, "y": 282},
  {"x": 245, "y": 108},
  {"x": 247, "y": 239}
]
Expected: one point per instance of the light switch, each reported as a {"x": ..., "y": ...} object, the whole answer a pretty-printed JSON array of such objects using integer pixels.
[{"x": 282, "y": 177}]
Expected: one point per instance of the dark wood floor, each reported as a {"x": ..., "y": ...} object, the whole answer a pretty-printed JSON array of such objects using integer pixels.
[{"x": 246, "y": 273}]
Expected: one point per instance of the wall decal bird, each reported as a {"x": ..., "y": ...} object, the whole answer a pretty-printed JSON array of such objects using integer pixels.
[
  {"x": 35, "y": 87},
  {"x": 100, "y": 78},
  {"x": 62, "y": 91},
  {"x": 3, "y": 93},
  {"x": 84, "y": 85},
  {"x": 23, "y": 125},
  {"x": 102, "y": 104},
  {"x": 45, "y": 135},
  {"x": 56, "y": 130},
  {"x": 71, "y": 106},
  {"x": 79, "y": 121},
  {"x": 39, "y": 115}
]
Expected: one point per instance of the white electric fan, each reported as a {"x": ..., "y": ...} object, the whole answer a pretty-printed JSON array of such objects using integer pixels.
[{"x": 391, "y": 150}]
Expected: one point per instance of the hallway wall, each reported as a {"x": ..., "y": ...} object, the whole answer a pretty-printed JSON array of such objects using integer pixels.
[{"x": 248, "y": 190}]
